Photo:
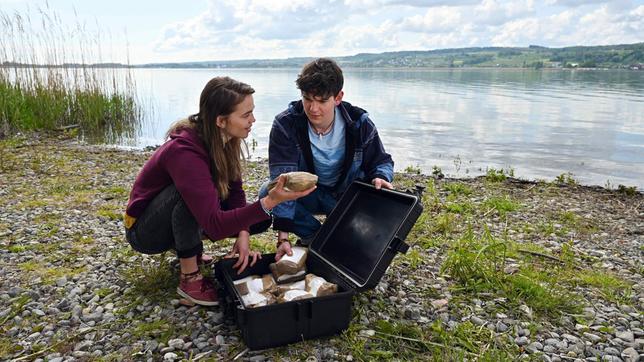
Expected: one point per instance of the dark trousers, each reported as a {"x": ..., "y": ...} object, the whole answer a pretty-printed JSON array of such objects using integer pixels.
[{"x": 167, "y": 223}]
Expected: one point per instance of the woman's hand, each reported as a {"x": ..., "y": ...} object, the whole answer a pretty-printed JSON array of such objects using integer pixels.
[
  {"x": 277, "y": 194},
  {"x": 242, "y": 248}
]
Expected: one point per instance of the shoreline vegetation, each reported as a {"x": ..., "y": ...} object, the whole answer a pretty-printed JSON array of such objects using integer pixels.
[
  {"x": 618, "y": 56},
  {"x": 99, "y": 103},
  {"x": 499, "y": 269}
]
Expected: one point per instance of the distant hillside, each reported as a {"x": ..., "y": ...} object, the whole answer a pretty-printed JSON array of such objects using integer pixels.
[
  {"x": 607, "y": 56},
  {"x": 624, "y": 56}
]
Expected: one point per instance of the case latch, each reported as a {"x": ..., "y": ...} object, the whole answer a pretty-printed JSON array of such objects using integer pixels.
[{"x": 398, "y": 245}]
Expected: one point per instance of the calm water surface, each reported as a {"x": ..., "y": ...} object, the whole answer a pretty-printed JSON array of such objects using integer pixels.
[{"x": 539, "y": 123}]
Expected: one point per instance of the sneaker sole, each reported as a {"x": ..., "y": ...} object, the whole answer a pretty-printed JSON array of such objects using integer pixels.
[{"x": 196, "y": 301}]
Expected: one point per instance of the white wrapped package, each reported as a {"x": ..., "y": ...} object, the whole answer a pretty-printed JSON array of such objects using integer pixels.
[
  {"x": 254, "y": 299},
  {"x": 300, "y": 285},
  {"x": 255, "y": 283},
  {"x": 318, "y": 286},
  {"x": 292, "y": 295},
  {"x": 291, "y": 264}
]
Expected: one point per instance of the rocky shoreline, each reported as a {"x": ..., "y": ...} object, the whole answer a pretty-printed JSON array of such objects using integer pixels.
[{"x": 567, "y": 287}]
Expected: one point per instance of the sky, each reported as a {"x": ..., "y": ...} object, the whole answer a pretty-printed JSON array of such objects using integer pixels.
[{"x": 143, "y": 31}]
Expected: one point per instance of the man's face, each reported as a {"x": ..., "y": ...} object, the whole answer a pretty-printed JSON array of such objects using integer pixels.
[{"x": 320, "y": 110}]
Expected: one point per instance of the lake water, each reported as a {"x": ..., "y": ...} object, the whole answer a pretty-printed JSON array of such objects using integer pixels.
[{"x": 539, "y": 123}]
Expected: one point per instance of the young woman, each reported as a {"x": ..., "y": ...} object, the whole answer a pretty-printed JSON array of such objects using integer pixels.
[{"x": 191, "y": 186}]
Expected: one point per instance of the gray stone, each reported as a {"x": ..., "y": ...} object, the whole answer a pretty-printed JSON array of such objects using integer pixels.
[
  {"x": 534, "y": 347},
  {"x": 630, "y": 355},
  {"x": 83, "y": 346},
  {"x": 551, "y": 342},
  {"x": 550, "y": 349},
  {"x": 170, "y": 356},
  {"x": 592, "y": 337},
  {"x": 219, "y": 340},
  {"x": 14, "y": 291},
  {"x": 96, "y": 316},
  {"x": 521, "y": 341},
  {"x": 612, "y": 351},
  {"x": 501, "y": 327},
  {"x": 257, "y": 358},
  {"x": 570, "y": 338},
  {"x": 80, "y": 354},
  {"x": 151, "y": 345},
  {"x": 165, "y": 350},
  {"x": 562, "y": 345},
  {"x": 477, "y": 321},
  {"x": 176, "y": 343},
  {"x": 611, "y": 358},
  {"x": 625, "y": 336},
  {"x": 38, "y": 312}
]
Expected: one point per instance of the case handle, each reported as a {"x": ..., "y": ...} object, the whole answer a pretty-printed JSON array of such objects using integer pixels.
[{"x": 398, "y": 245}]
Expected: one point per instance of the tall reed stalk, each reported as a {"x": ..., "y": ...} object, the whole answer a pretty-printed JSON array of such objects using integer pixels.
[{"x": 47, "y": 82}]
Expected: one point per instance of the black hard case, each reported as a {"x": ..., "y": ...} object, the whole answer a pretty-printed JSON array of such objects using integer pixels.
[{"x": 352, "y": 249}]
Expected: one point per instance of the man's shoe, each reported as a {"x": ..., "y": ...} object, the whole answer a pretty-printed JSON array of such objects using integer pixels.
[{"x": 198, "y": 291}]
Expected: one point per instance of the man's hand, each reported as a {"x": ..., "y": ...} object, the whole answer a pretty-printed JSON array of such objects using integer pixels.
[
  {"x": 379, "y": 183},
  {"x": 283, "y": 249},
  {"x": 242, "y": 248},
  {"x": 283, "y": 245}
]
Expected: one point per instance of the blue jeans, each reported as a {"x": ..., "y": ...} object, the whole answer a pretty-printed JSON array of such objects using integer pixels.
[{"x": 319, "y": 202}]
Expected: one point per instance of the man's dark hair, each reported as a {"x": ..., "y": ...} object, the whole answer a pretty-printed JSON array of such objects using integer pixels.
[{"x": 321, "y": 77}]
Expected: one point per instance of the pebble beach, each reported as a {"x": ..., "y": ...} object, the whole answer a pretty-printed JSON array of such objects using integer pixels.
[{"x": 73, "y": 290}]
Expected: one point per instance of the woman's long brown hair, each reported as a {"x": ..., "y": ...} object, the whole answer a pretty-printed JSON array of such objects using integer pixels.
[{"x": 219, "y": 97}]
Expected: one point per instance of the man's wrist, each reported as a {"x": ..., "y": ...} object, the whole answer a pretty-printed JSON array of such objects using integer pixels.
[{"x": 280, "y": 242}]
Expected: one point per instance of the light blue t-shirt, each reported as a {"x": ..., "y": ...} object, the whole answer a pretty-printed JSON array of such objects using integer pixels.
[{"x": 328, "y": 151}]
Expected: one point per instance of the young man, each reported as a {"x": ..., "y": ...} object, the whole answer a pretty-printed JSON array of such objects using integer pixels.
[{"x": 323, "y": 135}]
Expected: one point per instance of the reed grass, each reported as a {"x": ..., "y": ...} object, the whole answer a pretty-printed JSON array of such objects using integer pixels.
[{"x": 47, "y": 82}]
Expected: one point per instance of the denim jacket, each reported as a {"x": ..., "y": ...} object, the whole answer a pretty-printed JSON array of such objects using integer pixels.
[{"x": 289, "y": 149}]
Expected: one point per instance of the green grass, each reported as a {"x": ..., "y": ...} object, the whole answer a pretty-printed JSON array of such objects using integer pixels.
[
  {"x": 502, "y": 205},
  {"x": 413, "y": 170},
  {"x": 412, "y": 259},
  {"x": 477, "y": 265},
  {"x": 154, "y": 279},
  {"x": 493, "y": 175},
  {"x": 457, "y": 188},
  {"x": 161, "y": 331},
  {"x": 611, "y": 287},
  {"x": 49, "y": 274},
  {"x": 566, "y": 179},
  {"x": 399, "y": 340},
  {"x": 109, "y": 212},
  {"x": 101, "y": 101}
]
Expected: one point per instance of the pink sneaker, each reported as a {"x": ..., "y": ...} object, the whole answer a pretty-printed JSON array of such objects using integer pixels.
[{"x": 199, "y": 291}]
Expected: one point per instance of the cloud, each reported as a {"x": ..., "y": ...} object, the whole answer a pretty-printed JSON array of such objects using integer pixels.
[{"x": 242, "y": 29}]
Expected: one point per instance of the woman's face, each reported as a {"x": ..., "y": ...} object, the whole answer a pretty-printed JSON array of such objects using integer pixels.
[{"x": 239, "y": 123}]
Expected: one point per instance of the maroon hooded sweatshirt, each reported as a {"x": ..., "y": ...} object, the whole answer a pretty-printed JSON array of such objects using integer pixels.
[{"x": 183, "y": 161}]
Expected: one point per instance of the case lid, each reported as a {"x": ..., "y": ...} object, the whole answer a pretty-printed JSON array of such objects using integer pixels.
[{"x": 364, "y": 225}]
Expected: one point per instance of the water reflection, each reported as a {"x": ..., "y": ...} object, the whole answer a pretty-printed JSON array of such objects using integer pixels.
[{"x": 541, "y": 123}]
